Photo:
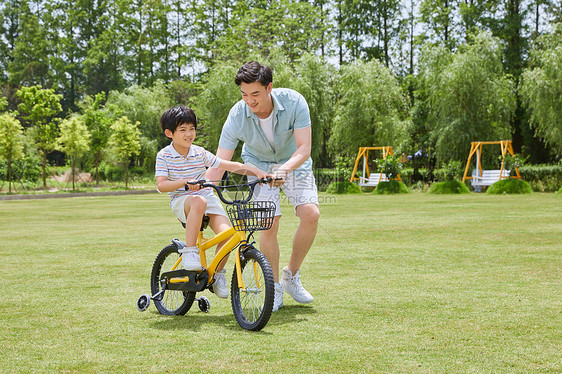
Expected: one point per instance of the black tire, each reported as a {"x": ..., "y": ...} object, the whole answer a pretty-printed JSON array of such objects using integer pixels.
[
  {"x": 252, "y": 307},
  {"x": 174, "y": 302}
]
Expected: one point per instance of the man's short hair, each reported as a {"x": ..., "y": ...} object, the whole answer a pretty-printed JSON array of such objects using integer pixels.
[
  {"x": 176, "y": 116},
  {"x": 254, "y": 72}
]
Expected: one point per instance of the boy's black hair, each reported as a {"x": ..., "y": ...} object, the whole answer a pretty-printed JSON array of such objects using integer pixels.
[
  {"x": 254, "y": 72},
  {"x": 176, "y": 116}
]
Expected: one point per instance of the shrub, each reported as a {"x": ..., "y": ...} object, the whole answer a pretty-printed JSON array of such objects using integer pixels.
[
  {"x": 26, "y": 169},
  {"x": 391, "y": 187},
  {"x": 343, "y": 187},
  {"x": 543, "y": 178},
  {"x": 110, "y": 172},
  {"x": 452, "y": 169},
  {"x": 324, "y": 177},
  {"x": 511, "y": 162},
  {"x": 559, "y": 192},
  {"x": 391, "y": 166},
  {"x": 407, "y": 176},
  {"x": 439, "y": 175},
  {"x": 453, "y": 186},
  {"x": 509, "y": 186}
]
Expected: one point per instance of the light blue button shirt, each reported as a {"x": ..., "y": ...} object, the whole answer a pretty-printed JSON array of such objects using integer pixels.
[{"x": 290, "y": 112}]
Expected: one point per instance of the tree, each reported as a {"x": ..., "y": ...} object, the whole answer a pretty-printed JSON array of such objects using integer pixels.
[
  {"x": 439, "y": 17},
  {"x": 372, "y": 110},
  {"x": 314, "y": 79},
  {"x": 98, "y": 122},
  {"x": 468, "y": 96},
  {"x": 292, "y": 26},
  {"x": 218, "y": 95},
  {"x": 11, "y": 142},
  {"x": 74, "y": 141},
  {"x": 38, "y": 107},
  {"x": 141, "y": 104},
  {"x": 541, "y": 89},
  {"x": 9, "y": 25},
  {"x": 125, "y": 142},
  {"x": 30, "y": 57}
]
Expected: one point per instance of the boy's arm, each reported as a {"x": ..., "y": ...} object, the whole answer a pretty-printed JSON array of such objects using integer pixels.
[
  {"x": 165, "y": 185},
  {"x": 215, "y": 174}
]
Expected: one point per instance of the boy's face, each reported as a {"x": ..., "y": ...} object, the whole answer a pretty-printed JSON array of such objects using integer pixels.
[
  {"x": 184, "y": 135},
  {"x": 257, "y": 97}
]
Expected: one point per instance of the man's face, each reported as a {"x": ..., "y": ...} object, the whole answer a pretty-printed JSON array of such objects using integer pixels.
[{"x": 257, "y": 97}]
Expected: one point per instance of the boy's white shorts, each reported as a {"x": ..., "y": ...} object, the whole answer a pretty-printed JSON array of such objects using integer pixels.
[
  {"x": 299, "y": 187},
  {"x": 214, "y": 206}
]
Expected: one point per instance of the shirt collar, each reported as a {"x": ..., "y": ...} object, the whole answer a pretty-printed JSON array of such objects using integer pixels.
[{"x": 176, "y": 153}]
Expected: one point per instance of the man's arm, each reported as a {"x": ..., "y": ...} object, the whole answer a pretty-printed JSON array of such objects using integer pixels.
[
  {"x": 214, "y": 174},
  {"x": 303, "y": 139}
]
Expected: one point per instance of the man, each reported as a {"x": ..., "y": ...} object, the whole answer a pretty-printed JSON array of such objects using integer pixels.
[{"x": 275, "y": 126}]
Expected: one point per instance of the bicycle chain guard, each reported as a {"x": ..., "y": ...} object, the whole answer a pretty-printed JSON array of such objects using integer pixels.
[{"x": 197, "y": 280}]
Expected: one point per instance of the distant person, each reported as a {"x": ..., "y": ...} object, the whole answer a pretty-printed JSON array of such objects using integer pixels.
[
  {"x": 275, "y": 126},
  {"x": 181, "y": 162}
]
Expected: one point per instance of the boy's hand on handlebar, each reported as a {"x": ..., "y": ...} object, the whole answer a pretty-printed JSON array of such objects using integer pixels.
[{"x": 193, "y": 185}]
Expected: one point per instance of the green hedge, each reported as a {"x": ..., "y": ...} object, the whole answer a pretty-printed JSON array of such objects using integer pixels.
[
  {"x": 542, "y": 178},
  {"x": 509, "y": 186},
  {"x": 448, "y": 187},
  {"x": 391, "y": 187},
  {"x": 343, "y": 187}
]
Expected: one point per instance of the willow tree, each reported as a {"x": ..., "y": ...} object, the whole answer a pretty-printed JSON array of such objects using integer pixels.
[
  {"x": 541, "y": 89},
  {"x": 371, "y": 111},
  {"x": 468, "y": 95}
]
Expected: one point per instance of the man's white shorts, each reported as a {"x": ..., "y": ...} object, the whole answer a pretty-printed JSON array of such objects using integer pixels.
[
  {"x": 214, "y": 206},
  {"x": 299, "y": 187}
]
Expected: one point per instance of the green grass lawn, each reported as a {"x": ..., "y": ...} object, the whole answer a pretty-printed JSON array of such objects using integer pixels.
[{"x": 409, "y": 283}]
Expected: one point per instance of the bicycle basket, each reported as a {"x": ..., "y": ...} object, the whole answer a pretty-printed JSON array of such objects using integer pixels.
[{"x": 251, "y": 216}]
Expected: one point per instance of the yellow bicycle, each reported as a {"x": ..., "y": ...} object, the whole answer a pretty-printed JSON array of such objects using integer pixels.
[{"x": 252, "y": 287}]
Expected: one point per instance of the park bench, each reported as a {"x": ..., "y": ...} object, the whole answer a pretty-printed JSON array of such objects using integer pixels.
[
  {"x": 373, "y": 180},
  {"x": 487, "y": 178}
]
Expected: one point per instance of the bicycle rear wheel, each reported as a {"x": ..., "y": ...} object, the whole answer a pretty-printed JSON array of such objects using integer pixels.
[
  {"x": 174, "y": 302},
  {"x": 252, "y": 305}
]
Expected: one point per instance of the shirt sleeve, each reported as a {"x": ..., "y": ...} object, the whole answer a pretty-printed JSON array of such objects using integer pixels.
[
  {"x": 161, "y": 168},
  {"x": 210, "y": 160},
  {"x": 228, "y": 139},
  {"x": 302, "y": 114}
]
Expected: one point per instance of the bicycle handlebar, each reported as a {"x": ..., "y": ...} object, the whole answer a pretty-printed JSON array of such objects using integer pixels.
[{"x": 251, "y": 185}]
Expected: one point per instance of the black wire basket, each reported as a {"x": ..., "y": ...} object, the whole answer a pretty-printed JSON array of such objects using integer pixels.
[{"x": 251, "y": 216}]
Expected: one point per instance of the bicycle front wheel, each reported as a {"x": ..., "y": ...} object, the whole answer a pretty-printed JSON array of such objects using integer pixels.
[
  {"x": 252, "y": 305},
  {"x": 174, "y": 302}
]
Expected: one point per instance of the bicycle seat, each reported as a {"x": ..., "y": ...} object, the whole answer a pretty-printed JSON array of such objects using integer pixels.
[{"x": 204, "y": 223}]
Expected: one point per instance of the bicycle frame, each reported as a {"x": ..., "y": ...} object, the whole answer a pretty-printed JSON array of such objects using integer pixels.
[
  {"x": 231, "y": 235},
  {"x": 233, "y": 238}
]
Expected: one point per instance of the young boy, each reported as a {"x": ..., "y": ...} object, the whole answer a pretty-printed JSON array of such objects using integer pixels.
[{"x": 180, "y": 162}]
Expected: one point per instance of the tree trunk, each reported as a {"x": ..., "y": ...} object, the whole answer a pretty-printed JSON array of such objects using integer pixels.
[
  {"x": 9, "y": 174},
  {"x": 44, "y": 167}
]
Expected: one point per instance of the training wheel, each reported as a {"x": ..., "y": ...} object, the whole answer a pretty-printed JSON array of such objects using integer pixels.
[
  {"x": 143, "y": 302},
  {"x": 204, "y": 304}
]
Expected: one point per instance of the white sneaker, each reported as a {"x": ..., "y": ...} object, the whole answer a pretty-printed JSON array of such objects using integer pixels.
[
  {"x": 190, "y": 259},
  {"x": 292, "y": 284},
  {"x": 219, "y": 286},
  {"x": 278, "y": 297}
]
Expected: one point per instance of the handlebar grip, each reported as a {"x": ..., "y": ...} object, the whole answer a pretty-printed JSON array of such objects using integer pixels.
[{"x": 199, "y": 182}]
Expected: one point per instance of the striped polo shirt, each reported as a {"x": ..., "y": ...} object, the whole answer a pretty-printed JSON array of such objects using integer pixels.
[{"x": 170, "y": 164}]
